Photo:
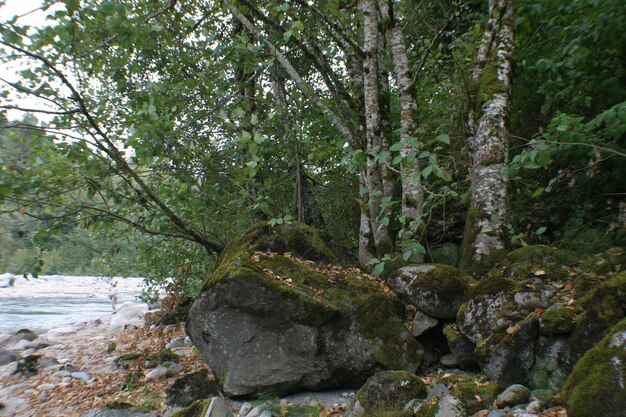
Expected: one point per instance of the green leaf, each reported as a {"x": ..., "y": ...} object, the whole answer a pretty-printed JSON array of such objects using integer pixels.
[
  {"x": 443, "y": 138},
  {"x": 426, "y": 171},
  {"x": 379, "y": 269},
  {"x": 541, "y": 230},
  {"x": 396, "y": 147},
  {"x": 538, "y": 192},
  {"x": 407, "y": 255}
]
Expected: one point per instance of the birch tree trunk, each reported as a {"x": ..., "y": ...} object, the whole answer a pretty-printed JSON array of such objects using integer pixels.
[
  {"x": 412, "y": 192},
  {"x": 485, "y": 235},
  {"x": 373, "y": 177}
]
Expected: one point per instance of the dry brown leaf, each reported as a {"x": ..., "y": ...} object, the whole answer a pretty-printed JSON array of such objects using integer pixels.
[
  {"x": 540, "y": 273},
  {"x": 512, "y": 330}
]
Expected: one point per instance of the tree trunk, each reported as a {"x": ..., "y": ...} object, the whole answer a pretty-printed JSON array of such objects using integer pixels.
[
  {"x": 373, "y": 177},
  {"x": 485, "y": 236},
  {"x": 412, "y": 192}
]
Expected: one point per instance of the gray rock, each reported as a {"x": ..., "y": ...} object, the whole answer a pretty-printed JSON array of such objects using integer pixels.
[
  {"x": 480, "y": 315},
  {"x": 119, "y": 412},
  {"x": 509, "y": 359},
  {"x": 266, "y": 413},
  {"x": 497, "y": 413},
  {"x": 81, "y": 375},
  {"x": 47, "y": 362},
  {"x": 275, "y": 324},
  {"x": 177, "y": 343},
  {"x": 256, "y": 411},
  {"x": 7, "y": 357},
  {"x": 528, "y": 300},
  {"x": 435, "y": 289},
  {"x": 438, "y": 390},
  {"x": 422, "y": 322},
  {"x": 461, "y": 347},
  {"x": 195, "y": 386},
  {"x": 245, "y": 409},
  {"x": 218, "y": 408},
  {"x": 449, "y": 361},
  {"x": 157, "y": 373},
  {"x": 450, "y": 406},
  {"x": 513, "y": 395},
  {"x": 535, "y": 407},
  {"x": 387, "y": 391},
  {"x": 521, "y": 413}
]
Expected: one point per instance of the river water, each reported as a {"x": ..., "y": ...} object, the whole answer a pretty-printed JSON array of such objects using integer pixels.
[{"x": 50, "y": 301}]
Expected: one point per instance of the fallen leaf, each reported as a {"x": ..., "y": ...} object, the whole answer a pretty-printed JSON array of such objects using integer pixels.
[
  {"x": 540, "y": 273},
  {"x": 512, "y": 330}
]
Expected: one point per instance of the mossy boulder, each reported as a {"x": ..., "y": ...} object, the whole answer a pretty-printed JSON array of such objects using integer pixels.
[
  {"x": 386, "y": 393},
  {"x": 597, "y": 385},
  {"x": 600, "y": 309},
  {"x": 276, "y": 318},
  {"x": 480, "y": 316},
  {"x": 435, "y": 289},
  {"x": 475, "y": 393}
]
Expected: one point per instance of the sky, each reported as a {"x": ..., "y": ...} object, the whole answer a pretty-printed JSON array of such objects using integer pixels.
[{"x": 29, "y": 15}]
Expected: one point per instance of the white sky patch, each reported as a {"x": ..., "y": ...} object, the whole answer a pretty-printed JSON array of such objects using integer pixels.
[{"x": 29, "y": 13}]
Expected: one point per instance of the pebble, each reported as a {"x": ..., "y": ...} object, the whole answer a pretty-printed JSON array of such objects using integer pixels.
[
  {"x": 255, "y": 412},
  {"x": 284, "y": 403},
  {"x": 534, "y": 407},
  {"x": 81, "y": 375},
  {"x": 245, "y": 409},
  {"x": 44, "y": 387},
  {"x": 513, "y": 395},
  {"x": 449, "y": 361},
  {"x": 496, "y": 413},
  {"x": 266, "y": 413}
]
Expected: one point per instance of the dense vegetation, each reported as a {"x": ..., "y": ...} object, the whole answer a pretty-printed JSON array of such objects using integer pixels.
[{"x": 167, "y": 127}]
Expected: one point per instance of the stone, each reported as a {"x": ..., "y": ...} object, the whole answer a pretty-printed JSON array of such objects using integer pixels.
[
  {"x": 266, "y": 413},
  {"x": 434, "y": 289},
  {"x": 177, "y": 343},
  {"x": 597, "y": 385},
  {"x": 528, "y": 300},
  {"x": 195, "y": 386},
  {"x": 47, "y": 362},
  {"x": 386, "y": 392},
  {"x": 449, "y": 361},
  {"x": 481, "y": 413},
  {"x": 27, "y": 365},
  {"x": 508, "y": 357},
  {"x": 81, "y": 375},
  {"x": 119, "y": 410},
  {"x": 513, "y": 395},
  {"x": 7, "y": 357},
  {"x": 166, "y": 369},
  {"x": 450, "y": 406},
  {"x": 438, "y": 390},
  {"x": 497, "y": 413},
  {"x": 422, "y": 322},
  {"x": 268, "y": 320},
  {"x": 128, "y": 314},
  {"x": 535, "y": 407},
  {"x": 245, "y": 409},
  {"x": 218, "y": 408},
  {"x": 461, "y": 347}
]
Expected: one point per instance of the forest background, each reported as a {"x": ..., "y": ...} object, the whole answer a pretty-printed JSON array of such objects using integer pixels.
[{"x": 162, "y": 129}]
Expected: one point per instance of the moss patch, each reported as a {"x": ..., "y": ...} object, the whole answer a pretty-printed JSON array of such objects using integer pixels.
[
  {"x": 540, "y": 254},
  {"x": 559, "y": 321},
  {"x": 595, "y": 388},
  {"x": 197, "y": 409},
  {"x": 475, "y": 393}
]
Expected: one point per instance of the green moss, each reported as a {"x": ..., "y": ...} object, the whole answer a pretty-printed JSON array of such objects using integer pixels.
[
  {"x": 197, "y": 409},
  {"x": 602, "y": 307},
  {"x": 540, "y": 254},
  {"x": 452, "y": 333},
  {"x": 492, "y": 284},
  {"x": 557, "y": 322},
  {"x": 303, "y": 410},
  {"x": 593, "y": 388},
  {"x": 475, "y": 394}
]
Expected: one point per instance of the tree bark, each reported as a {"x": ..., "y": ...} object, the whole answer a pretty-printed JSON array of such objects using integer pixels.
[
  {"x": 373, "y": 172},
  {"x": 412, "y": 191},
  {"x": 485, "y": 236}
]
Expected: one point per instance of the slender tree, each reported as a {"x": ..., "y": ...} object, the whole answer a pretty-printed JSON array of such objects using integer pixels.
[{"x": 485, "y": 236}]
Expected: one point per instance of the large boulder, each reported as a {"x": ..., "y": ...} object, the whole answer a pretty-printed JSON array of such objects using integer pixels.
[
  {"x": 275, "y": 317},
  {"x": 597, "y": 385},
  {"x": 435, "y": 289}
]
